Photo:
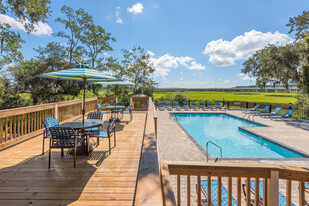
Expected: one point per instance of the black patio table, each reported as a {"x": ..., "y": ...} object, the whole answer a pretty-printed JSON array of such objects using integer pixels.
[
  {"x": 115, "y": 108},
  {"x": 80, "y": 127}
]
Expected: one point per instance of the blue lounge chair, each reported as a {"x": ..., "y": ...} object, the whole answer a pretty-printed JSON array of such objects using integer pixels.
[
  {"x": 282, "y": 198},
  {"x": 262, "y": 111},
  {"x": 307, "y": 186},
  {"x": 161, "y": 106},
  {"x": 169, "y": 106},
  {"x": 219, "y": 106},
  {"x": 209, "y": 105},
  {"x": 202, "y": 106},
  {"x": 275, "y": 112},
  {"x": 193, "y": 106},
  {"x": 176, "y": 106},
  {"x": 287, "y": 115},
  {"x": 252, "y": 109},
  {"x": 185, "y": 106},
  {"x": 214, "y": 193}
]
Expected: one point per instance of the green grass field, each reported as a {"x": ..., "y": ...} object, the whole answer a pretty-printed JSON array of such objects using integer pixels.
[{"x": 231, "y": 96}]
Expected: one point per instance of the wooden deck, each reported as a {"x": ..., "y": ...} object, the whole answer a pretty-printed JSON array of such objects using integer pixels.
[{"x": 98, "y": 179}]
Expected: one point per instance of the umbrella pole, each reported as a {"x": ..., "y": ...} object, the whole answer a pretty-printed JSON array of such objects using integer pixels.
[
  {"x": 116, "y": 103},
  {"x": 84, "y": 96}
]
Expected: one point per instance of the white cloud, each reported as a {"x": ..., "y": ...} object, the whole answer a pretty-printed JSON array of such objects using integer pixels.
[
  {"x": 182, "y": 74},
  {"x": 225, "y": 53},
  {"x": 117, "y": 15},
  {"x": 246, "y": 77},
  {"x": 109, "y": 17},
  {"x": 136, "y": 9},
  {"x": 118, "y": 19},
  {"x": 196, "y": 66},
  {"x": 165, "y": 63},
  {"x": 226, "y": 81},
  {"x": 40, "y": 28}
]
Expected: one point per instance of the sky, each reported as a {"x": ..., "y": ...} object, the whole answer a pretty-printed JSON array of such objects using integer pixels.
[{"x": 192, "y": 44}]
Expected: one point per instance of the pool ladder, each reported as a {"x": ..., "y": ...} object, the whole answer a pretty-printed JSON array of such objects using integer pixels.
[
  {"x": 173, "y": 116},
  {"x": 207, "y": 155}
]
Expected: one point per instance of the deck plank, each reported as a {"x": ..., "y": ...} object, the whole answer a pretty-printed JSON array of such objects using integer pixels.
[{"x": 98, "y": 179}]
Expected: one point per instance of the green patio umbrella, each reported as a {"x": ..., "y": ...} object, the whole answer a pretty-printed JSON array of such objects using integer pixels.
[{"x": 80, "y": 72}]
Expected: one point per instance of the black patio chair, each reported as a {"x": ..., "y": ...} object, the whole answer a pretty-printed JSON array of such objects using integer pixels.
[
  {"x": 108, "y": 133},
  {"x": 128, "y": 110},
  {"x": 48, "y": 123},
  {"x": 94, "y": 115},
  {"x": 61, "y": 138}
]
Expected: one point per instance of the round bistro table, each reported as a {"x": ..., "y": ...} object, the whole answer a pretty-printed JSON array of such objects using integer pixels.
[
  {"x": 113, "y": 108},
  {"x": 80, "y": 127}
]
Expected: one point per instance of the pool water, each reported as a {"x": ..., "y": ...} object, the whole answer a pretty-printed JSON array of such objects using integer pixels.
[{"x": 223, "y": 130}]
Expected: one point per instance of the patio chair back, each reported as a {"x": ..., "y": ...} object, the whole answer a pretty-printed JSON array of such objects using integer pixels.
[
  {"x": 62, "y": 137},
  {"x": 176, "y": 104},
  {"x": 256, "y": 107},
  {"x": 95, "y": 115},
  {"x": 193, "y": 104},
  {"x": 161, "y": 104},
  {"x": 99, "y": 107},
  {"x": 289, "y": 112},
  {"x": 168, "y": 104},
  {"x": 129, "y": 109},
  {"x": 119, "y": 104},
  {"x": 209, "y": 104},
  {"x": 185, "y": 104},
  {"x": 50, "y": 122},
  {"x": 218, "y": 104},
  {"x": 111, "y": 127},
  {"x": 265, "y": 109},
  {"x": 201, "y": 104},
  {"x": 276, "y": 110}
]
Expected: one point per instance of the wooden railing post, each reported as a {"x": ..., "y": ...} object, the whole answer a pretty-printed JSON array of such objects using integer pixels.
[
  {"x": 274, "y": 188},
  {"x": 56, "y": 111},
  {"x": 301, "y": 193}
]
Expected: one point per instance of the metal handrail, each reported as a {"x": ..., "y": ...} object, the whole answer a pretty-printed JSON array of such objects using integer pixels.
[
  {"x": 173, "y": 115},
  {"x": 215, "y": 145}
]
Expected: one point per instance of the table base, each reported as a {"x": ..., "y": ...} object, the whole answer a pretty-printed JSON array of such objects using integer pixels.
[{"x": 81, "y": 150}]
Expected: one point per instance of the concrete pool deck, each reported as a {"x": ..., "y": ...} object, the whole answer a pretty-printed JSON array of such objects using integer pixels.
[{"x": 176, "y": 145}]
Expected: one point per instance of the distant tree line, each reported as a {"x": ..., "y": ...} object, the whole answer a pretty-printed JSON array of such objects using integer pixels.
[
  {"x": 86, "y": 42},
  {"x": 284, "y": 65}
]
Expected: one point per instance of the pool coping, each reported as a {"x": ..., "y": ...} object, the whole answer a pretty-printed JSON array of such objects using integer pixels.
[{"x": 243, "y": 128}]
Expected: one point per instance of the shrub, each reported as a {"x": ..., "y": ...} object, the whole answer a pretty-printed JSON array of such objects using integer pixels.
[{"x": 180, "y": 98}]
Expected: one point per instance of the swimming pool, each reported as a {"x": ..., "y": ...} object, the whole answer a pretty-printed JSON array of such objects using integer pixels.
[{"x": 223, "y": 130}]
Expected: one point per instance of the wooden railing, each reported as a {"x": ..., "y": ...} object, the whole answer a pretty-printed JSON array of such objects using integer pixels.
[
  {"x": 140, "y": 103},
  {"x": 107, "y": 101},
  {"x": 233, "y": 177},
  {"x": 148, "y": 189},
  {"x": 24, "y": 122}
]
